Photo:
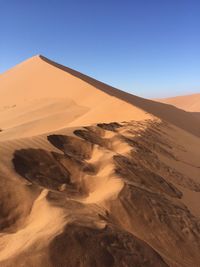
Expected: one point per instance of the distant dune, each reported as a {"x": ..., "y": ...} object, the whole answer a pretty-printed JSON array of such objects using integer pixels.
[
  {"x": 38, "y": 96},
  {"x": 91, "y": 176},
  {"x": 186, "y": 102},
  {"x": 189, "y": 103}
]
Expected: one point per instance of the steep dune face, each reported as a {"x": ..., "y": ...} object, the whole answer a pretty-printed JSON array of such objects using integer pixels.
[
  {"x": 190, "y": 103},
  {"x": 92, "y": 176},
  {"x": 169, "y": 113},
  {"x": 116, "y": 194},
  {"x": 36, "y": 93},
  {"x": 48, "y": 96},
  {"x": 187, "y": 102}
]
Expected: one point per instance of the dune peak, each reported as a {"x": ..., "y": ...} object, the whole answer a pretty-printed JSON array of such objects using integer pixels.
[{"x": 85, "y": 163}]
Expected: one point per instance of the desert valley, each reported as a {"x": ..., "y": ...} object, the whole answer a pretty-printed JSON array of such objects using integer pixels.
[{"x": 91, "y": 176}]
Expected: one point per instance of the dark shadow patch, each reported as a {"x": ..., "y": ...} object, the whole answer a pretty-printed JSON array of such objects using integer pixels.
[
  {"x": 72, "y": 146},
  {"x": 96, "y": 130},
  {"x": 40, "y": 167},
  {"x": 132, "y": 171},
  {"x": 148, "y": 204},
  {"x": 15, "y": 203},
  {"x": 166, "y": 112},
  {"x": 151, "y": 137},
  {"x": 80, "y": 246},
  {"x": 92, "y": 137},
  {"x": 113, "y": 126},
  {"x": 165, "y": 224},
  {"x": 150, "y": 142},
  {"x": 73, "y": 164}
]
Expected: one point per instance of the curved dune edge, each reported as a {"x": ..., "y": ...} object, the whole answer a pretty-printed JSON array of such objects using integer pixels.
[
  {"x": 27, "y": 88},
  {"x": 189, "y": 103},
  {"x": 93, "y": 176},
  {"x": 107, "y": 186}
]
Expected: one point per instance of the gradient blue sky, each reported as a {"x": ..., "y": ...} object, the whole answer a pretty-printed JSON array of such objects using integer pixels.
[{"x": 147, "y": 47}]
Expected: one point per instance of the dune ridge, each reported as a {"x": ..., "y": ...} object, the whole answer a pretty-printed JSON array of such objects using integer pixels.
[
  {"x": 93, "y": 176},
  {"x": 187, "y": 102},
  {"x": 43, "y": 77}
]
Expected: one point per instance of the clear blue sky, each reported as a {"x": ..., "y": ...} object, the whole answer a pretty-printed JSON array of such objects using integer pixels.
[{"x": 147, "y": 47}]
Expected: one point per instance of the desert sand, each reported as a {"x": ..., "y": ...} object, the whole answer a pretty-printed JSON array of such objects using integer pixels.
[
  {"x": 189, "y": 103},
  {"x": 93, "y": 176}
]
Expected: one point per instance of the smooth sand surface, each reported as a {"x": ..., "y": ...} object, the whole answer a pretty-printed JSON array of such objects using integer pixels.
[
  {"x": 35, "y": 92},
  {"x": 37, "y": 96},
  {"x": 187, "y": 102},
  {"x": 93, "y": 176}
]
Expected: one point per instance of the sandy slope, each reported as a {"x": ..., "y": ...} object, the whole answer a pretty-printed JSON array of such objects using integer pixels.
[
  {"x": 120, "y": 193},
  {"x": 37, "y": 95},
  {"x": 187, "y": 102}
]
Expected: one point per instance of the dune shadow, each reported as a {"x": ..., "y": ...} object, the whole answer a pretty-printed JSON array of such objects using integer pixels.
[
  {"x": 107, "y": 247},
  {"x": 196, "y": 115},
  {"x": 148, "y": 206},
  {"x": 178, "y": 117}
]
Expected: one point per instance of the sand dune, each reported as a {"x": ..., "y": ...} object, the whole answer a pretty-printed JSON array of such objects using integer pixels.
[
  {"x": 187, "y": 102},
  {"x": 93, "y": 176},
  {"x": 190, "y": 103},
  {"x": 39, "y": 81}
]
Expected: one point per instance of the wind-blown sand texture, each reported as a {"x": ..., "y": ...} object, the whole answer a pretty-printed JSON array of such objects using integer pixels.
[{"x": 91, "y": 176}]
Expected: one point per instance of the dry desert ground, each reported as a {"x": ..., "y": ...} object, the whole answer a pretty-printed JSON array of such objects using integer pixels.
[{"x": 91, "y": 176}]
